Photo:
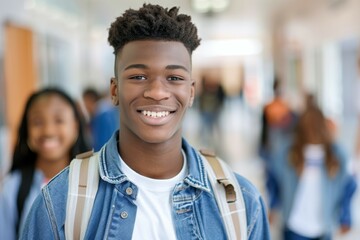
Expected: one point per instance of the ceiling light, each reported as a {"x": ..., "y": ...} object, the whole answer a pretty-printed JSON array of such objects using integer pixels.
[{"x": 210, "y": 6}]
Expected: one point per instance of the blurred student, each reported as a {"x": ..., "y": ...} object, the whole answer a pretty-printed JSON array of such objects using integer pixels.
[
  {"x": 211, "y": 101},
  {"x": 278, "y": 121},
  {"x": 49, "y": 136},
  {"x": 313, "y": 186},
  {"x": 104, "y": 117}
]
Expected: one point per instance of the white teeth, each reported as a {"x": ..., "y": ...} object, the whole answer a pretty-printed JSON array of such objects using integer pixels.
[{"x": 155, "y": 114}]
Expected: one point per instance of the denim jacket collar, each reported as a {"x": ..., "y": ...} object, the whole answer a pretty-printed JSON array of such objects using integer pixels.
[{"x": 110, "y": 165}]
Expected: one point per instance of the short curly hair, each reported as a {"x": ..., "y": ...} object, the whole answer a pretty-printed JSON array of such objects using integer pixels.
[{"x": 153, "y": 22}]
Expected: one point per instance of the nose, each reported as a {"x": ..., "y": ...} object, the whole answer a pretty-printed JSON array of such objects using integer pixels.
[
  {"x": 48, "y": 129},
  {"x": 157, "y": 90}
]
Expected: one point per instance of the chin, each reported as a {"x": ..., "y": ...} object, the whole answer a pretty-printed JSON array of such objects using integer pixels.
[
  {"x": 157, "y": 139},
  {"x": 53, "y": 157}
]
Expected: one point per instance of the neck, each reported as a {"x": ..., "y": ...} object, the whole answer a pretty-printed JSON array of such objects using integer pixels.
[
  {"x": 158, "y": 161},
  {"x": 51, "y": 168}
]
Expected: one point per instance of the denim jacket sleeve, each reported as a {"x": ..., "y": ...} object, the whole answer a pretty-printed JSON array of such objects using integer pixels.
[
  {"x": 273, "y": 190},
  {"x": 345, "y": 205},
  {"x": 8, "y": 209},
  {"x": 349, "y": 186},
  {"x": 46, "y": 218},
  {"x": 256, "y": 214},
  {"x": 38, "y": 224}
]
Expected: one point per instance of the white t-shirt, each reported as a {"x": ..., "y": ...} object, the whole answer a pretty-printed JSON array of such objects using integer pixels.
[
  {"x": 153, "y": 217},
  {"x": 306, "y": 216}
]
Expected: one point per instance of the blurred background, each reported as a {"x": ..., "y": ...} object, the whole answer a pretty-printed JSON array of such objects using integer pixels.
[{"x": 310, "y": 46}]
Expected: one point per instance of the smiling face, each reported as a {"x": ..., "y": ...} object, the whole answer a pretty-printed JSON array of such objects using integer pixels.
[
  {"x": 153, "y": 88},
  {"x": 52, "y": 128}
]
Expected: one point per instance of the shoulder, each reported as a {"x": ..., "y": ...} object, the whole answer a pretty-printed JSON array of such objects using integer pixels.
[
  {"x": 256, "y": 213},
  {"x": 339, "y": 151},
  {"x": 57, "y": 186},
  {"x": 11, "y": 178},
  {"x": 250, "y": 193},
  {"x": 8, "y": 193},
  {"x": 341, "y": 155},
  {"x": 55, "y": 191},
  {"x": 54, "y": 196},
  {"x": 10, "y": 183}
]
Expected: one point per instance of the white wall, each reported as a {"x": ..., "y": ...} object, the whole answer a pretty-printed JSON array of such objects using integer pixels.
[{"x": 315, "y": 34}]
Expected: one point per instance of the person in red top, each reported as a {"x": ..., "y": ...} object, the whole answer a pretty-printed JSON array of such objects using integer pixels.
[{"x": 278, "y": 121}]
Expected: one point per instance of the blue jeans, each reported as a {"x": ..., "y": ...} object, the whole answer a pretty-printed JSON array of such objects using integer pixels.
[{"x": 290, "y": 235}]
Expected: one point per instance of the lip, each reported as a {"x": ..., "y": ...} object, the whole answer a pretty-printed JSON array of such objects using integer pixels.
[
  {"x": 156, "y": 108},
  {"x": 157, "y": 120},
  {"x": 49, "y": 143}
]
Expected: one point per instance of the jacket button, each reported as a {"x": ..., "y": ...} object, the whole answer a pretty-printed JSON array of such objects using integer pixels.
[
  {"x": 124, "y": 214},
  {"x": 129, "y": 191}
]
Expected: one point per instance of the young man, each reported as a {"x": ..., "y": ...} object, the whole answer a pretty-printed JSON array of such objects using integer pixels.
[{"x": 153, "y": 184}]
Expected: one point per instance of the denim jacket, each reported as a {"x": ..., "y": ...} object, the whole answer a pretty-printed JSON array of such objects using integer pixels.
[
  {"x": 8, "y": 199},
  {"x": 194, "y": 209}
]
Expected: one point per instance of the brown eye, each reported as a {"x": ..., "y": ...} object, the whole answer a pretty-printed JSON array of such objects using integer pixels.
[
  {"x": 175, "y": 78},
  {"x": 36, "y": 122},
  {"x": 59, "y": 120},
  {"x": 138, "y": 77}
]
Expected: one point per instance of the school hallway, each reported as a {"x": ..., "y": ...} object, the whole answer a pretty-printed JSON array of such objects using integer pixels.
[{"x": 236, "y": 143}]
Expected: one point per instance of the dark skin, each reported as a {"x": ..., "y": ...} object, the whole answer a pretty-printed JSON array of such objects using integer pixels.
[
  {"x": 153, "y": 90},
  {"x": 52, "y": 130}
]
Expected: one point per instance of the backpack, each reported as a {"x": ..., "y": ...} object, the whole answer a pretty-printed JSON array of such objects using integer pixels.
[{"x": 84, "y": 180}]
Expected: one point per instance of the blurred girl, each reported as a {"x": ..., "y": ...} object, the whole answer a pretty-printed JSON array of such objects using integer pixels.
[
  {"x": 50, "y": 134},
  {"x": 311, "y": 181}
]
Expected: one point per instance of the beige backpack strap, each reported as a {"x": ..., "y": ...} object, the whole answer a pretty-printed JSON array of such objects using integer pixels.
[
  {"x": 83, "y": 185},
  {"x": 220, "y": 175},
  {"x": 233, "y": 204}
]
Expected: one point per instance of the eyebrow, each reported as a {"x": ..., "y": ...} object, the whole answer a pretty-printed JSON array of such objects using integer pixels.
[
  {"x": 142, "y": 66},
  {"x": 169, "y": 67},
  {"x": 173, "y": 67}
]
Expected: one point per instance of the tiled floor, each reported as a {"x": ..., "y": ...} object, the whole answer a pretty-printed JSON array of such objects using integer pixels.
[{"x": 237, "y": 145}]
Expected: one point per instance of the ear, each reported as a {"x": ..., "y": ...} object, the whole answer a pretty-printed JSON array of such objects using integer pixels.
[
  {"x": 192, "y": 93},
  {"x": 114, "y": 91}
]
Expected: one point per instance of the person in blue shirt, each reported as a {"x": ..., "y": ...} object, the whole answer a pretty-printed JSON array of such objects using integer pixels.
[
  {"x": 104, "y": 117},
  {"x": 49, "y": 136},
  {"x": 311, "y": 184},
  {"x": 153, "y": 183}
]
